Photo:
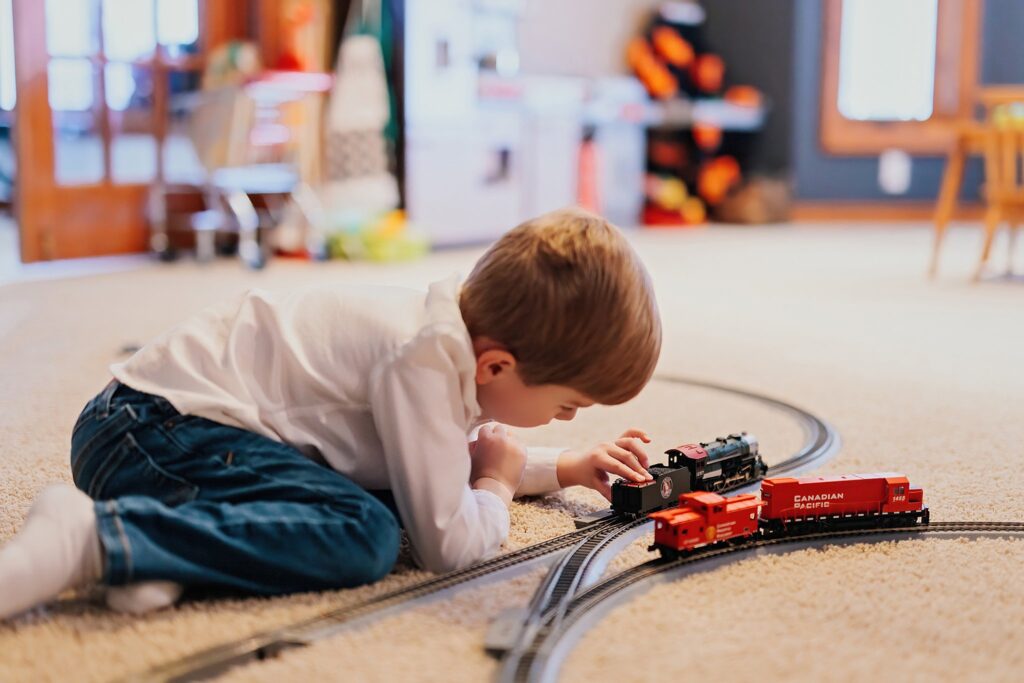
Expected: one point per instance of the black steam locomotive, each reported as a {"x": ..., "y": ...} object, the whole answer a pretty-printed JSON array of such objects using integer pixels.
[{"x": 718, "y": 465}]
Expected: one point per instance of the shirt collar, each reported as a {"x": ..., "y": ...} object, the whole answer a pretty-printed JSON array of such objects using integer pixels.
[{"x": 442, "y": 306}]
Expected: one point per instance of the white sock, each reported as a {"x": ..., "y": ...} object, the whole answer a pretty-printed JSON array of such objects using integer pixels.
[
  {"x": 144, "y": 596},
  {"x": 57, "y": 549}
]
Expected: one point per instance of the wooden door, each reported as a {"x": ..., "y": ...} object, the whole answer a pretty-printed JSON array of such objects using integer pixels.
[{"x": 99, "y": 117}]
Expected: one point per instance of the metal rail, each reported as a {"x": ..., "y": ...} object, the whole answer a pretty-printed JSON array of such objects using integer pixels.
[
  {"x": 821, "y": 442},
  {"x": 551, "y": 641},
  {"x": 584, "y": 564},
  {"x": 214, "y": 661}
]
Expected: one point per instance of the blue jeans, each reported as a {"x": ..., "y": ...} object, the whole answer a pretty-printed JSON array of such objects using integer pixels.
[{"x": 186, "y": 499}]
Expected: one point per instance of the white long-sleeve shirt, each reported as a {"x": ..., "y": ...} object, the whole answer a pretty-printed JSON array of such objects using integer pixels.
[{"x": 377, "y": 382}]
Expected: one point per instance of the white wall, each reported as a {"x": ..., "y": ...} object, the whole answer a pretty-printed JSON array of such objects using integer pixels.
[{"x": 579, "y": 37}]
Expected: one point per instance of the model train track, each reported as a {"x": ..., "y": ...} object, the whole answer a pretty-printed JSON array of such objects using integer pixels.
[
  {"x": 587, "y": 560},
  {"x": 538, "y": 659},
  {"x": 214, "y": 661},
  {"x": 821, "y": 441}
]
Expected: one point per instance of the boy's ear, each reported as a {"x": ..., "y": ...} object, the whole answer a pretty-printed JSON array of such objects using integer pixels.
[{"x": 493, "y": 364}]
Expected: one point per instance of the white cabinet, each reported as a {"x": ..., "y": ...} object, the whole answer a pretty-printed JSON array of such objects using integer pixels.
[
  {"x": 464, "y": 183},
  {"x": 477, "y": 166}
]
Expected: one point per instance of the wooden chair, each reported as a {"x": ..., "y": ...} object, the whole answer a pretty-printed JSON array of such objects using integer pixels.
[
  {"x": 970, "y": 139},
  {"x": 1004, "y": 182}
]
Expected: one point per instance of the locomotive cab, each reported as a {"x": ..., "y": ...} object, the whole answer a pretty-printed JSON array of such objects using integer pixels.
[{"x": 692, "y": 456}]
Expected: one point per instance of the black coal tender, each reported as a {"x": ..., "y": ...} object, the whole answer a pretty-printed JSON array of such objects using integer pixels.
[{"x": 719, "y": 465}]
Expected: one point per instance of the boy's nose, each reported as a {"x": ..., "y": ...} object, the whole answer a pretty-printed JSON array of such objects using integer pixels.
[{"x": 567, "y": 414}]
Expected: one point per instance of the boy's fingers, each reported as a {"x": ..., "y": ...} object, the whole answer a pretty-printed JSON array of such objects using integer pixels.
[
  {"x": 630, "y": 460},
  {"x": 611, "y": 463},
  {"x": 603, "y": 486},
  {"x": 638, "y": 453},
  {"x": 638, "y": 433}
]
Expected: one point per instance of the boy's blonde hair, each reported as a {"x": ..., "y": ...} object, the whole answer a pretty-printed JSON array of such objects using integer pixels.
[{"x": 569, "y": 298}]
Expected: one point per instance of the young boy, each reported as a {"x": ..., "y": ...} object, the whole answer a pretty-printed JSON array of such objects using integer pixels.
[{"x": 251, "y": 447}]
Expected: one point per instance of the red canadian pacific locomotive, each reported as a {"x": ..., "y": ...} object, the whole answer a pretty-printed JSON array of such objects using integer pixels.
[{"x": 790, "y": 506}]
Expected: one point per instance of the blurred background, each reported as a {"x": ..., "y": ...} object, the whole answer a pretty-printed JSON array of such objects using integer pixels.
[{"x": 381, "y": 129}]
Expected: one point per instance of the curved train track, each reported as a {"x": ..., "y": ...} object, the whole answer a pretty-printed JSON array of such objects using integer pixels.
[
  {"x": 586, "y": 561},
  {"x": 592, "y": 543},
  {"x": 540, "y": 657}
]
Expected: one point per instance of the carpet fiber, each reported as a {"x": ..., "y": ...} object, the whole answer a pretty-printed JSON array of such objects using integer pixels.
[{"x": 919, "y": 377}]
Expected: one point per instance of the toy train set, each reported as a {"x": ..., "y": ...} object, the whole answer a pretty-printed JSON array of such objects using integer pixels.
[
  {"x": 718, "y": 465},
  {"x": 789, "y": 506}
]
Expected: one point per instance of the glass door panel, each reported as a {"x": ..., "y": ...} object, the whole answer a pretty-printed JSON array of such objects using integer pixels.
[
  {"x": 8, "y": 98},
  {"x": 8, "y": 91},
  {"x": 180, "y": 163},
  {"x": 71, "y": 28},
  {"x": 130, "y": 107},
  {"x": 178, "y": 27},
  {"x": 77, "y": 134},
  {"x": 129, "y": 30}
]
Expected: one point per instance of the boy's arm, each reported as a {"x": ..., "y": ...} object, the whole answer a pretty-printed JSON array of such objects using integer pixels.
[
  {"x": 418, "y": 409},
  {"x": 541, "y": 475}
]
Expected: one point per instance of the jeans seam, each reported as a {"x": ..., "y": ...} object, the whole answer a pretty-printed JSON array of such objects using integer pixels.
[
  {"x": 114, "y": 460},
  {"x": 286, "y": 520},
  {"x": 107, "y": 396},
  {"x": 327, "y": 496},
  {"x": 129, "y": 568},
  {"x": 172, "y": 438},
  {"x": 104, "y": 433}
]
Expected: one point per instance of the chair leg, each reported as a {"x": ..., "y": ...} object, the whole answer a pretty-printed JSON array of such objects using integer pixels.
[
  {"x": 951, "y": 179},
  {"x": 248, "y": 223},
  {"x": 312, "y": 210},
  {"x": 992, "y": 217}
]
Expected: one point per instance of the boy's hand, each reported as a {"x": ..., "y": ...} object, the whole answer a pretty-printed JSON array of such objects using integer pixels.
[
  {"x": 497, "y": 455},
  {"x": 625, "y": 457}
]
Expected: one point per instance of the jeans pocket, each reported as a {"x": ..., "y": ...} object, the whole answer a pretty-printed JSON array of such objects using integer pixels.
[
  {"x": 131, "y": 470},
  {"x": 92, "y": 434}
]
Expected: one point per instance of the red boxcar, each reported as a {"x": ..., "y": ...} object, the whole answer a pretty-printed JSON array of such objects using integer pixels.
[
  {"x": 849, "y": 497},
  {"x": 702, "y": 518}
]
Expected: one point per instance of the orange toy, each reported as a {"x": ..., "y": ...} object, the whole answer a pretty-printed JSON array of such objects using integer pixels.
[
  {"x": 693, "y": 211},
  {"x": 702, "y": 518},
  {"x": 716, "y": 178},
  {"x": 707, "y": 136},
  {"x": 743, "y": 95},
  {"x": 672, "y": 47},
  {"x": 650, "y": 70},
  {"x": 707, "y": 72}
]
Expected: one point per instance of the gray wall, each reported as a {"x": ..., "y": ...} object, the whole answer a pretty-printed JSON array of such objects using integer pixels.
[
  {"x": 819, "y": 176},
  {"x": 755, "y": 40}
]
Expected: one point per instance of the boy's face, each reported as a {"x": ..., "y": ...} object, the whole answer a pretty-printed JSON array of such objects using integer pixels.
[{"x": 505, "y": 398}]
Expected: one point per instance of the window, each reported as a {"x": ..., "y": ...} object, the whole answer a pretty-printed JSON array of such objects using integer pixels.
[
  {"x": 887, "y": 60},
  {"x": 897, "y": 73}
]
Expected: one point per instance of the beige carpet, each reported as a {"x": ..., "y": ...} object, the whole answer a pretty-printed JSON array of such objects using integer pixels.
[{"x": 921, "y": 377}]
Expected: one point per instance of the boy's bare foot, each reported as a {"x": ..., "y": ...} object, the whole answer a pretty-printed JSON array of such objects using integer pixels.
[
  {"x": 144, "y": 596},
  {"x": 57, "y": 548}
]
